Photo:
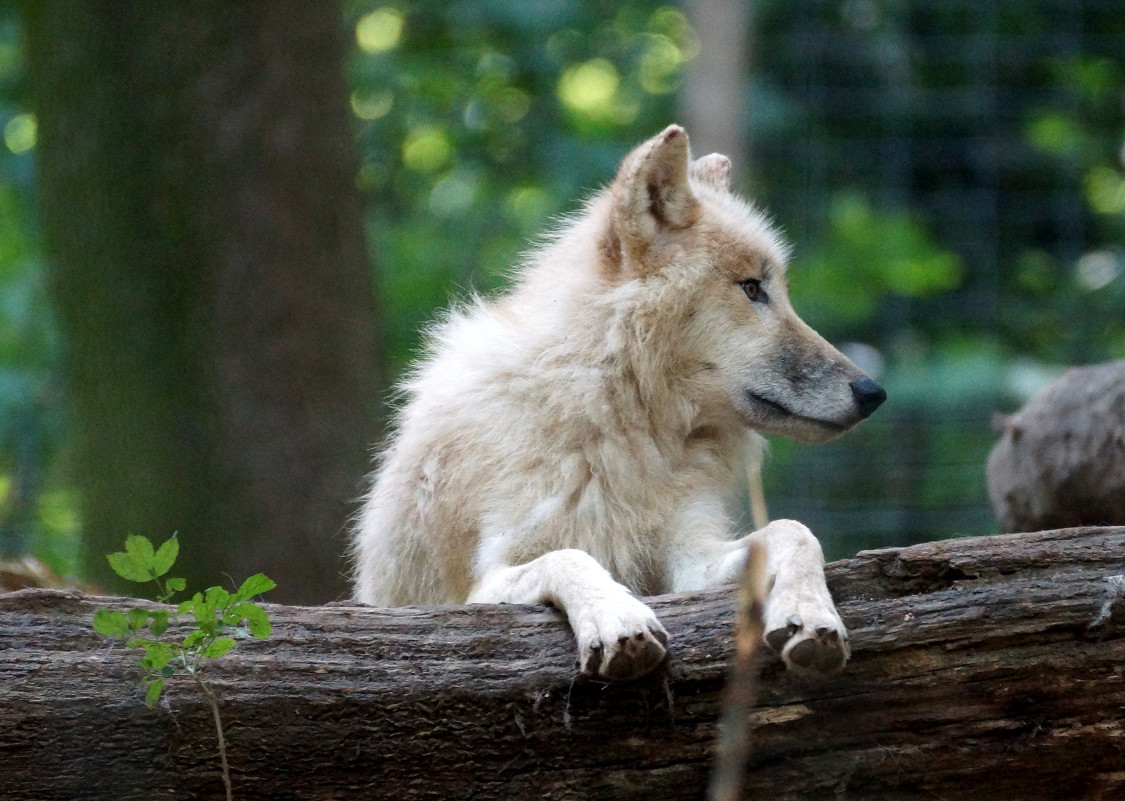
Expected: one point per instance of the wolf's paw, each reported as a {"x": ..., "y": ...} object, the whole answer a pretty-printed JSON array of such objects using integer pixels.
[
  {"x": 619, "y": 639},
  {"x": 811, "y": 638}
]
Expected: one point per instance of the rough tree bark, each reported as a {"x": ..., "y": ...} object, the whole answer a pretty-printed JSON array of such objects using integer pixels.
[
  {"x": 1060, "y": 460},
  {"x": 984, "y": 668},
  {"x": 208, "y": 264}
]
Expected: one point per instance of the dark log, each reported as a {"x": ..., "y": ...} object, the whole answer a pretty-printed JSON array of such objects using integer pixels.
[
  {"x": 1060, "y": 460},
  {"x": 983, "y": 668}
]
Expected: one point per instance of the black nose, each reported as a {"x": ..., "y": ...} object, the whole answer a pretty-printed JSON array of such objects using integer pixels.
[{"x": 868, "y": 395}]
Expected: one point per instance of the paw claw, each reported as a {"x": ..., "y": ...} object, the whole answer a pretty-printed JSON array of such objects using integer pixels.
[
  {"x": 623, "y": 645},
  {"x": 593, "y": 661},
  {"x": 634, "y": 657},
  {"x": 820, "y": 655},
  {"x": 777, "y": 638},
  {"x": 814, "y": 642}
]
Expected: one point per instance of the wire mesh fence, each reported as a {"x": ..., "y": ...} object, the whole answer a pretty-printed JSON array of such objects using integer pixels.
[{"x": 990, "y": 121}]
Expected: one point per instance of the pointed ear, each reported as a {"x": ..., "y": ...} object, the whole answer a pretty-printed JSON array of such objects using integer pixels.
[
  {"x": 651, "y": 190},
  {"x": 713, "y": 170}
]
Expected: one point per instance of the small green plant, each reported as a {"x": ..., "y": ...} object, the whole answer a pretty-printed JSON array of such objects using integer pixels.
[{"x": 220, "y": 619}]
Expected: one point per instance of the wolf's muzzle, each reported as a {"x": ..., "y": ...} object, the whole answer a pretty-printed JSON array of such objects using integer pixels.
[{"x": 868, "y": 395}]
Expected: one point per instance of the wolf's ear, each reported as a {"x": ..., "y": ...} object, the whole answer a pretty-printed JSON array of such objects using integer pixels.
[
  {"x": 651, "y": 190},
  {"x": 713, "y": 169}
]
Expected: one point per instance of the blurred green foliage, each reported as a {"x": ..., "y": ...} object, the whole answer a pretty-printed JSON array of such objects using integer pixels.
[
  {"x": 865, "y": 259},
  {"x": 37, "y": 511},
  {"x": 1075, "y": 312},
  {"x": 478, "y": 122}
]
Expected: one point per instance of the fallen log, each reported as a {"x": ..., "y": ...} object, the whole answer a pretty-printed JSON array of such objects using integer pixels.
[
  {"x": 982, "y": 668},
  {"x": 1060, "y": 460}
]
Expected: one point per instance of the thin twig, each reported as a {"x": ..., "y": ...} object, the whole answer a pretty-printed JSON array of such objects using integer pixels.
[
  {"x": 214, "y": 702},
  {"x": 758, "y": 511},
  {"x": 733, "y": 745}
]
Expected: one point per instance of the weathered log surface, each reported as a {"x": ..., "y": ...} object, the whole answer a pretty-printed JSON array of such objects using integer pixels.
[
  {"x": 984, "y": 668},
  {"x": 1060, "y": 460}
]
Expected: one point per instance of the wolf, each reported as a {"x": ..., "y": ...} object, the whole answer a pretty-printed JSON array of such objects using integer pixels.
[{"x": 578, "y": 440}]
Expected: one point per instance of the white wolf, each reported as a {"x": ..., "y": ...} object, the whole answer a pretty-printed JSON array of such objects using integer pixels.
[{"x": 577, "y": 441}]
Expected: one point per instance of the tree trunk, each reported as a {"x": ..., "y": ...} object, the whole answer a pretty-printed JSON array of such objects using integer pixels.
[
  {"x": 714, "y": 102},
  {"x": 211, "y": 278},
  {"x": 986, "y": 668}
]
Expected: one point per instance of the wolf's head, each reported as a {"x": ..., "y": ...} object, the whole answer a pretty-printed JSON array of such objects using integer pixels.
[{"x": 720, "y": 265}]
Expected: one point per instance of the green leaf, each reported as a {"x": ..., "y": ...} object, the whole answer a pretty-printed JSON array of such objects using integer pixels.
[
  {"x": 126, "y": 566},
  {"x": 255, "y": 585},
  {"x": 141, "y": 550},
  {"x": 111, "y": 623},
  {"x": 152, "y": 693},
  {"x": 189, "y": 605},
  {"x": 216, "y": 598},
  {"x": 157, "y": 656},
  {"x": 159, "y": 623},
  {"x": 176, "y": 584},
  {"x": 161, "y": 655},
  {"x": 256, "y": 619},
  {"x": 206, "y": 607},
  {"x": 193, "y": 639},
  {"x": 219, "y": 647},
  {"x": 138, "y": 618},
  {"x": 165, "y": 557},
  {"x": 209, "y": 625}
]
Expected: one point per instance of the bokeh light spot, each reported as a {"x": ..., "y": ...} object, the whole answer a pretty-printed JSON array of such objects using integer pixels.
[
  {"x": 427, "y": 149},
  {"x": 371, "y": 105},
  {"x": 1105, "y": 190},
  {"x": 672, "y": 23},
  {"x": 380, "y": 30},
  {"x": 529, "y": 204},
  {"x": 660, "y": 65},
  {"x": 453, "y": 195},
  {"x": 21, "y": 133},
  {"x": 513, "y": 104},
  {"x": 1096, "y": 270},
  {"x": 590, "y": 88}
]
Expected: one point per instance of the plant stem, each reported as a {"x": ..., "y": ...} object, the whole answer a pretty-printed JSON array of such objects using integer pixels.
[
  {"x": 164, "y": 594},
  {"x": 206, "y": 690},
  {"x": 733, "y": 744}
]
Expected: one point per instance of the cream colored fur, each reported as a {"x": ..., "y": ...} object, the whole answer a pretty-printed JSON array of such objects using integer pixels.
[{"x": 578, "y": 440}]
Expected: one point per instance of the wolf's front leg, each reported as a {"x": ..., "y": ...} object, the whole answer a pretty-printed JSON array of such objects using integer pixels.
[
  {"x": 618, "y": 636},
  {"x": 801, "y": 621}
]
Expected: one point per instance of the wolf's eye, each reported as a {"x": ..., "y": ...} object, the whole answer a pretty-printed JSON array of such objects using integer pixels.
[{"x": 753, "y": 289}]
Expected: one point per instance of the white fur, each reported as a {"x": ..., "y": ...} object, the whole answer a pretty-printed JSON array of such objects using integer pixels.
[{"x": 578, "y": 440}]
